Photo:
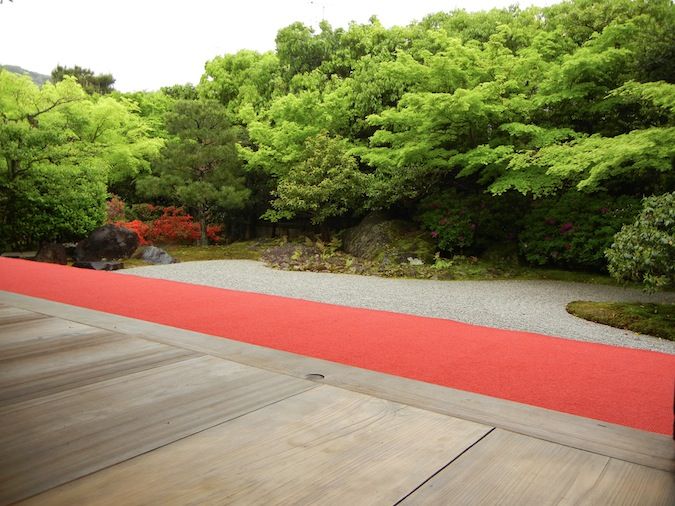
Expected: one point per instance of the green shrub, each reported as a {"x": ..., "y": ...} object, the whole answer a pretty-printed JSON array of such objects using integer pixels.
[
  {"x": 55, "y": 204},
  {"x": 461, "y": 222},
  {"x": 644, "y": 251},
  {"x": 574, "y": 229},
  {"x": 144, "y": 212}
]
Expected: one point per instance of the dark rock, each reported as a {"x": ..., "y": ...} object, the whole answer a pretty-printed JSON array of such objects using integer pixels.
[
  {"x": 52, "y": 253},
  {"x": 107, "y": 243},
  {"x": 154, "y": 255},
  {"x": 387, "y": 241},
  {"x": 99, "y": 266}
]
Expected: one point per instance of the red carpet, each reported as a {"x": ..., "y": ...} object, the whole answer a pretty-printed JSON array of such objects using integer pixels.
[{"x": 617, "y": 385}]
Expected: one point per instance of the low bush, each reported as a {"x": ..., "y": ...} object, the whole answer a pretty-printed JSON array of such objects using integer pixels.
[
  {"x": 574, "y": 229},
  {"x": 54, "y": 204},
  {"x": 644, "y": 251},
  {"x": 172, "y": 226},
  {"x": 471, "y": 222}
]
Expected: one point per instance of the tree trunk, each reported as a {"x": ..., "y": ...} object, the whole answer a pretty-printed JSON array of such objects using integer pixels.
[
  {"x": 204, "y": 240},
  {"x": 325, "y": 232}
]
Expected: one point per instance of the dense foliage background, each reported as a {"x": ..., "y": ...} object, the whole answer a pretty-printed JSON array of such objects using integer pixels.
[{"x": 540, "y": 128}]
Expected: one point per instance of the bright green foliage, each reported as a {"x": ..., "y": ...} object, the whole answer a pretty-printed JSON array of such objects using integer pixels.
[
  {"x": 181, "y": 91},
  {"x": 199, "y": 169},
  {"x": 578, "y": 96},
  {"x": 325, "y": 184},
  {"x": 244, "y": 82},
  {"x": 300, "y": 51},
  {"x": 644, "y": 251},
  {"x": 574, "y": 230},
  {"x": 65, "y": 204},
  {"x": 59, "y": 129}
]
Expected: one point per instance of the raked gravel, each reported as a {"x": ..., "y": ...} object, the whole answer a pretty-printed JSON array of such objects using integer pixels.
[{"x": 535, "y": 306}]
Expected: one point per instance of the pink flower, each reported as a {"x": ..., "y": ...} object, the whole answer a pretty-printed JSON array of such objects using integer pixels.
[
  {"x": 434, "y": 234},
  {"x": 566, "y": 227}
]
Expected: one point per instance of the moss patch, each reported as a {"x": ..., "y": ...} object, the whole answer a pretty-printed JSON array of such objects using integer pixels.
[
  {"x": 652, "y": 319},
  {"x": 244, "y": 250}
]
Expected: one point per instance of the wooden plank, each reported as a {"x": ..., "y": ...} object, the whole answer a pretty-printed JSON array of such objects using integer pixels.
[
  {"x": 23, "y": 338},
  {"x": 624, "y": 484},
  {"x": 510, "y": 469},
  {"x": 50, "y": 440},
  {"x": 9, "y": 315},
  {"x": 77, "y": 361},
  {"x": 625, "y": 443},
  {"x": 326, "y": 446}
]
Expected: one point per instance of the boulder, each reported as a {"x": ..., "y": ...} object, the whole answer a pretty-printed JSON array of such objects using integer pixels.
[
  {"x": 387, "y": 241},
  {"x": 52, "y": 253},
  {"x": 155, "y": 255},
  {"x": 108, "y": 242}
]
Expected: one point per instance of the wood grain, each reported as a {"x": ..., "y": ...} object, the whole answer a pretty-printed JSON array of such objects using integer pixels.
[
  {"x": 9, "y": 315},
  {"x": 23, "y": 338},
  {"x": 510, "y": 469},
  {"x": 326, "y": 446},
  {"x": 50, "y": 440},
  {"x": 45, "y": 367},
  {"x": 626, "y": 484}
]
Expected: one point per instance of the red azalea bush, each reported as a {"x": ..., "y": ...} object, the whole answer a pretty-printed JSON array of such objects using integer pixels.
[
  {"x": 175, "y": 226},
  {"x": 139, "y": 227},
  {"x": 162, "y": 225}
]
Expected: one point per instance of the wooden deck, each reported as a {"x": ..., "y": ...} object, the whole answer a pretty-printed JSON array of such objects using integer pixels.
[{"x": 101, "y": 409}]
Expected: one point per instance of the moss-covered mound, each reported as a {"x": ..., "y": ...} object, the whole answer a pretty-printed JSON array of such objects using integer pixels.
[{"x": 387, "y": 241}]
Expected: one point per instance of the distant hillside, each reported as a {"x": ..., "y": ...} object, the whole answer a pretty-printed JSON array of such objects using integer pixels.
[{"x": 37, "y": 78}]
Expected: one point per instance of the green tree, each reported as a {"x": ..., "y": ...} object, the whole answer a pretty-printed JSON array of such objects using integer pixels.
[
  {"x": 92, "y": 83},
  {"x": 199, "y": 168},
  {"x": 326, "y": 184},
  {"x": 59, "y": 130},
  {"x": 645, "y": 250}
]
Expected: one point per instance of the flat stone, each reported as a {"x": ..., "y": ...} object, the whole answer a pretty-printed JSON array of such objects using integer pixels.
[{"x": 99, "y": 266}]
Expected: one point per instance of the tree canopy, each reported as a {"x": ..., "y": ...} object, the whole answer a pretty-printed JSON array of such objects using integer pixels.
[
  {"x": 552, "y": 109},
  {"x": 198, "y": 168}
]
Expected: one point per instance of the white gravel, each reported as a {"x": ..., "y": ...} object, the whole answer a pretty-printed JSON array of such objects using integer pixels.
[{"x": 536, "y": 306}]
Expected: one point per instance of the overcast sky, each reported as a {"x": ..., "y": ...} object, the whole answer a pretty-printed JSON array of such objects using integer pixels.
[{"x": 147, "y": 44}]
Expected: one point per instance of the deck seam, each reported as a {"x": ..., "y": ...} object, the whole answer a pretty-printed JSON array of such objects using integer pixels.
[{"x": 442, "y": 468}]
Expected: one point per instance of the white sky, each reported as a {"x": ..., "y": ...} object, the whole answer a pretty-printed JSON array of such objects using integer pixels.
[{"x": 147, "y": 44}]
